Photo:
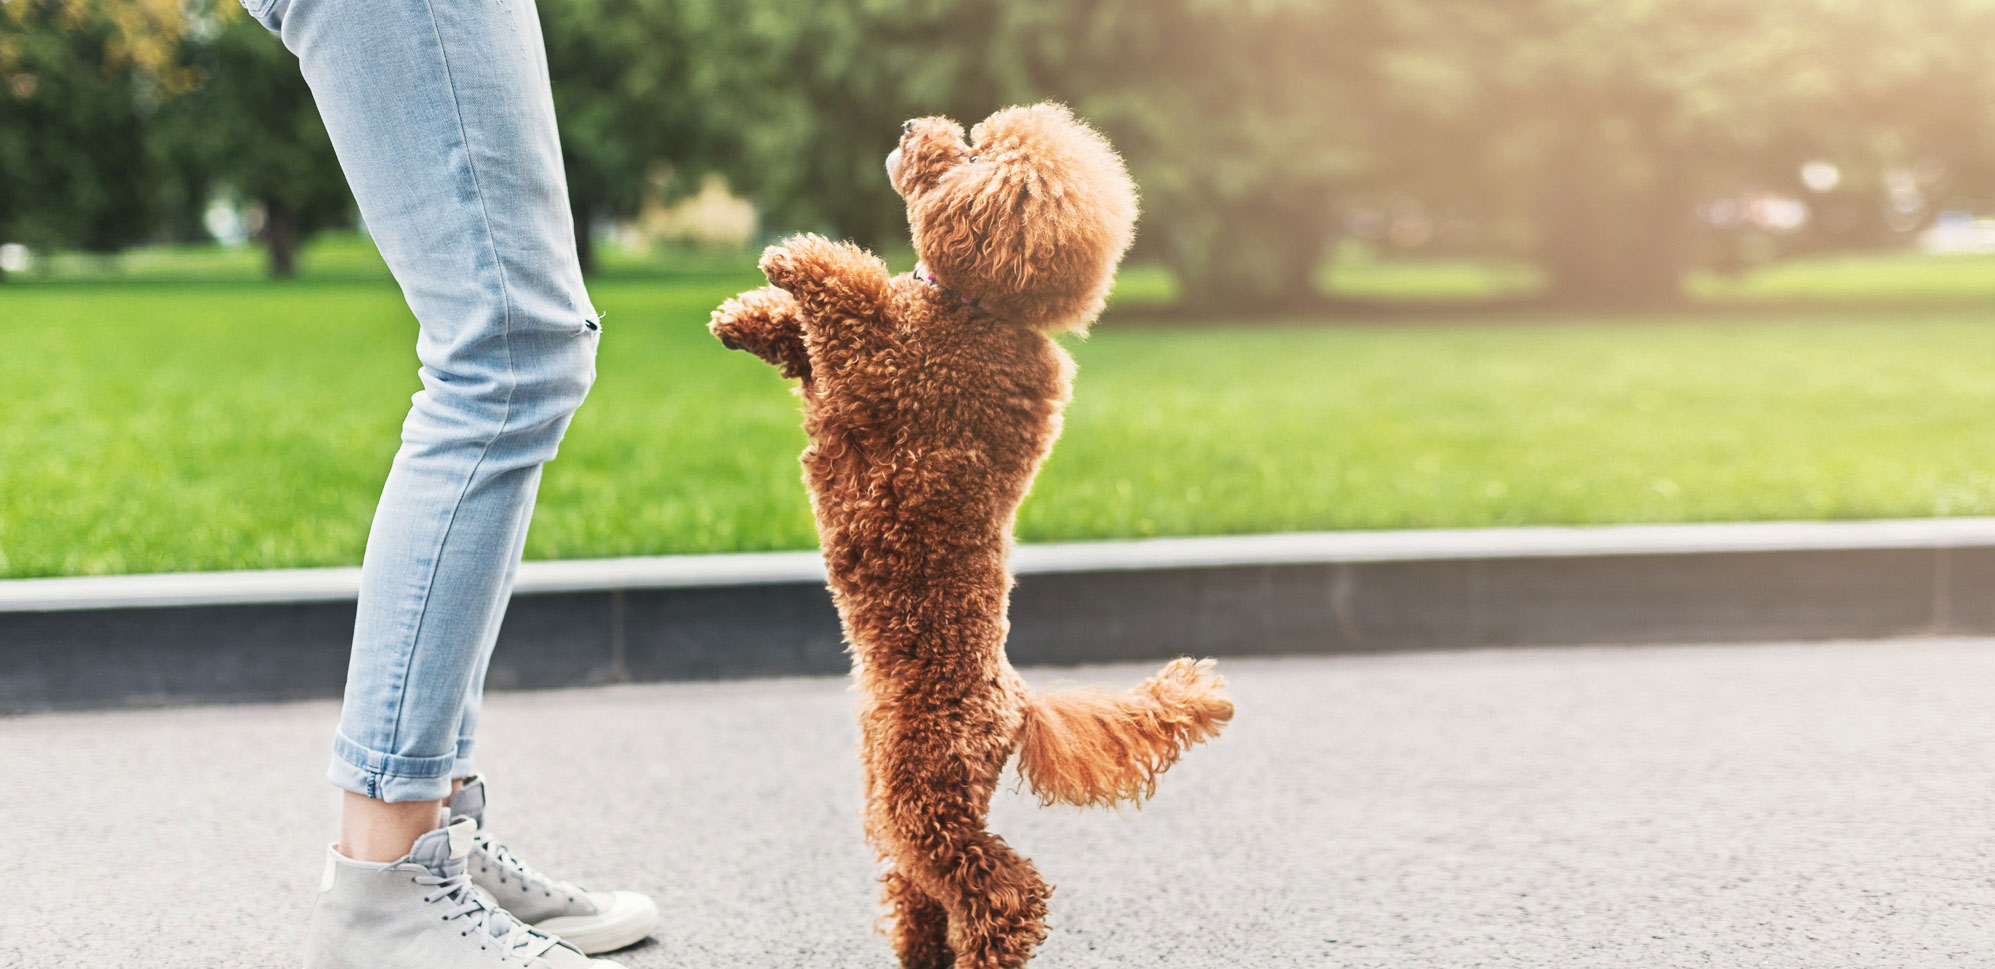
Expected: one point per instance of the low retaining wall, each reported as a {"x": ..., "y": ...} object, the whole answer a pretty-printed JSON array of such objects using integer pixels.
[{"x": 128, "y": 640}]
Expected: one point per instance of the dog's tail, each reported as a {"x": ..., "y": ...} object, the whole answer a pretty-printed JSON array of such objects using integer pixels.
[{"x": 1089, "y": 747}]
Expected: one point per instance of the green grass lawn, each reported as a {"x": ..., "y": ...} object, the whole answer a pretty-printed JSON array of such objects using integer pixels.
[{"x": 152, "y": 426}]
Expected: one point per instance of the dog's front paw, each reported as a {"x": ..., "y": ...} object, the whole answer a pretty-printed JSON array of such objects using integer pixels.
[
  {"x": 832, "y": 275},
  {"x": 726, "y": 324},
  {"x": 763, "y": 322},
  {"x": 791, "y": 263}
]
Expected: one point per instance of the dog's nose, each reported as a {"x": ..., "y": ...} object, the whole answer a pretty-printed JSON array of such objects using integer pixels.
[
  {"x": 907, "y": 126},
  {"x": 730, "y": 343}
]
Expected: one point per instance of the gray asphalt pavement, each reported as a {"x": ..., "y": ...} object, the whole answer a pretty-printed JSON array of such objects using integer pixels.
[{"x": 1809, "y": 806}]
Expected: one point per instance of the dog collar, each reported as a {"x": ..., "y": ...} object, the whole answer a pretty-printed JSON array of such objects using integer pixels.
[{"x": 921, "y": 272}]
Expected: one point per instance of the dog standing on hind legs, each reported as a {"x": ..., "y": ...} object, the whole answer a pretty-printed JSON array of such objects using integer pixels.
[{"x": 930, "y": 399}]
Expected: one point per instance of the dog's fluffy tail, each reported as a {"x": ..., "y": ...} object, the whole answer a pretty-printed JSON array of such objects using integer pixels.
[{"x": 1089, "y": 747}]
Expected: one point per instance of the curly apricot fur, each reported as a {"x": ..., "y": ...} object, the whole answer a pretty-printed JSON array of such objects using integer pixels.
[{"x": 928, "y": 416}]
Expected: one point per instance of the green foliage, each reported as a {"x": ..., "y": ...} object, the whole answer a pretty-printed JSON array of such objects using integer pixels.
[
  {"x": 1581, "y": 135},
  {"x": 1240, "y": 120},
  {"x": 120, "y": 118},
  {"x": 77, "y": 169},
  {"x": 1593, "y": 127},
  {"x": 629, "y": 99},
  {"x": 1244, "y": 123},
  {"x": 809, "y": 99}
]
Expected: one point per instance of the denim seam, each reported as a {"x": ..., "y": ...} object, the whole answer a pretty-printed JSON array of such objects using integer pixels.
[
  {"x": 512, "y": 376},
  {"x": 381, "y": 764},
  {"x": 386, "y": 785},
  {"x": 387, "y": 775},
  {"x": 374, "y": 774}
]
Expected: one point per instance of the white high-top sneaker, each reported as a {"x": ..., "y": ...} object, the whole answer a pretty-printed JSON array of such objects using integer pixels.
[
  {"x": 422, "y": 912},
  {"x": 589, "y": 921}
]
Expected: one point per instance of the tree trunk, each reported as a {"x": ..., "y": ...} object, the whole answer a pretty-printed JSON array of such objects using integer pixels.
[
  {"x": 280, "y": 238},
  {"x": 1606, "y": 238},
  {"x": 1255, "y": 256}
]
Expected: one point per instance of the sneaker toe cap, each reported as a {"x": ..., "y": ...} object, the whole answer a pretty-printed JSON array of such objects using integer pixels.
[{"x": 620, "y": 919}]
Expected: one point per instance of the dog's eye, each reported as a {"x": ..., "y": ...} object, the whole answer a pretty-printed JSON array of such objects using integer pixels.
[{"x": 973, "y": 157}]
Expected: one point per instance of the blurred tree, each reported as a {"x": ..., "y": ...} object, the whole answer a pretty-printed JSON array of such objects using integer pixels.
[
  {"x": 74, "y": 100},
  {"x": 1244, "y": 121},
  {"x": 1600, "y": 124},
  {"x": 248, "y": 127},
  {"x": 1586, "y": 134},
  {"x": 808, "y": 99},
  {"x": 1909, "y": 128},
  {"x": 1240, "y": 120},
  {"x": 630, "y": 101}
]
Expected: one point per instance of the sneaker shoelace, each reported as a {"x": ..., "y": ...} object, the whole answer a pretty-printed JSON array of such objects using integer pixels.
[
  {"x": 514, "y": 938},
  {"x": 527, "y": 874}
]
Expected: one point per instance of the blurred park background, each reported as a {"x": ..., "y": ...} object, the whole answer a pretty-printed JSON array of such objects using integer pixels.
[{"x": 1403, "y": 263}]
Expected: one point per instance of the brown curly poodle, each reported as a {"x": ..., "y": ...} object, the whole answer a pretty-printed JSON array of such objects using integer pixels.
[{"x": 930, "y": 399}]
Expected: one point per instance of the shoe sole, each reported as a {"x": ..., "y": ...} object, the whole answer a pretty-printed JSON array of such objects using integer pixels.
[{"x": 603, "y": 933}]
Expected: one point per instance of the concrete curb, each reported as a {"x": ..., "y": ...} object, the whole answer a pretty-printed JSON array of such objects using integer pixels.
[{"x": 124, "y": 640}]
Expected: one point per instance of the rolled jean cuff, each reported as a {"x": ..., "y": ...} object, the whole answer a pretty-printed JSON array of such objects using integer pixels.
[
  {"x": 389, "y": 777},
  {"x": 463, "y": 767}
]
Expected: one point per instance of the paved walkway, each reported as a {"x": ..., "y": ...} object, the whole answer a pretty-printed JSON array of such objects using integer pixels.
[{"x": 1811, "y": 806}]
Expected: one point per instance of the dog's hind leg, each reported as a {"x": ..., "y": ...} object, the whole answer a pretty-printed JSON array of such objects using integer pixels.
[
  {"x": 995, "y": 899},
  {"x": 916, "y": 924},
  {"x": 920, "y": 925}
]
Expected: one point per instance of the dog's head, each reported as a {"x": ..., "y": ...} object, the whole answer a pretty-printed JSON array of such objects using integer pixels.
[{"x": 1028, "y": 216}]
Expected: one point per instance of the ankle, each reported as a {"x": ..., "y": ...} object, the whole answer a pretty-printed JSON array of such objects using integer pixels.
[{"x": 380, "y": 831}]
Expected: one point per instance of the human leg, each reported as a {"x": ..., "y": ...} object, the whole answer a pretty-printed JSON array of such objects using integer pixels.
[{"x": 441, "y": 116}]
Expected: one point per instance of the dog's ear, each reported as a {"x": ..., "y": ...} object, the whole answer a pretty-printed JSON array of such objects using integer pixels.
[{"x": 1033, "y": 222}]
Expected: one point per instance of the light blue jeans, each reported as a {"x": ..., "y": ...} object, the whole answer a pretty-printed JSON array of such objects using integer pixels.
[{"x": 442, "y": 118}]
